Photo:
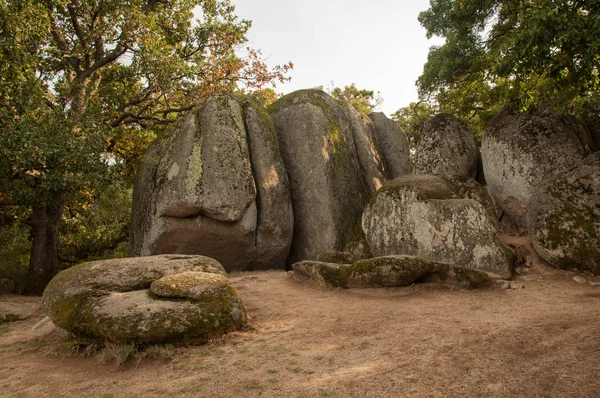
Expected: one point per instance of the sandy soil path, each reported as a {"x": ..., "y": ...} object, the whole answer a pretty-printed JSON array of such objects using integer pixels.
[{"x": 421, "y": 341}]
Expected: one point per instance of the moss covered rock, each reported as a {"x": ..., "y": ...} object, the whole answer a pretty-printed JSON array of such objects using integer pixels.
[
  {"x": 330, "y": 181},
  {"x": 446, "y": 146},
  {"x": 325, "y": 274},
  {"x": 564, "y": 218},
  {"x": 389, "y": 271},
  {"x": 215, "y": 185},
  {"x": 165, "y": 298},
  {"x": 520, "y": 152},
  {"x": 439, "y": 218},
  {"x": 360, "y": 250},
  {"x": 336, "y": 257}
]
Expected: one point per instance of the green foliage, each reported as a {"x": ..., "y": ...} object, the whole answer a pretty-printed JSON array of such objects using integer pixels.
[
  {"x": 525, "y": 55},
  {"x": 85, "y": 86},
  {"x": 412, "y": 118},
  {"x": 14, "y": 246},
  {"x": 97, "y": 228},
  {"x": 365, "y": 101}
]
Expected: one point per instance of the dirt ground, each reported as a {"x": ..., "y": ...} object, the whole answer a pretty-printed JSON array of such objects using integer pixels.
[{"x": 427, "y": 340}]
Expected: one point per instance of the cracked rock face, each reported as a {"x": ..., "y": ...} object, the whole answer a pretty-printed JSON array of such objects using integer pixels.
[
  {"x": 215, "y": 184},
  {"x": 520, "y": 152},
  {"x": 564, "y": 218},
  {"x": 392, "y": 144},
  {"x": 438, "y": 218},
  {"x": 166, "y": 298},
  {"x": 333, "y": 166}
]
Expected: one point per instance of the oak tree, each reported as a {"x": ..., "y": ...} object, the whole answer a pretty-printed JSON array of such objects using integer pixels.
[{"x": 86, "y": 84}]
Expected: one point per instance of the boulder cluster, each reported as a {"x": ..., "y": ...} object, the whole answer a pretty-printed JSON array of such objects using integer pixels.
[
  {"x": 310, "y": 176},
  {"x": 311, "y": 184}
]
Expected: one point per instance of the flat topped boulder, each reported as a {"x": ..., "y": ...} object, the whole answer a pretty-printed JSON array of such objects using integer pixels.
[
  {"x": 165, "y": 298},
  {"x": 446, "y": 219},
  {"x": 388, "y": 271},
  {"x": 564, "y": 218}
]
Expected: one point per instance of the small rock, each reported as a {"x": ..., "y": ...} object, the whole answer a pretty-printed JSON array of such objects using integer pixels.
[
  {"x": 10, "y": 312},
  {"x": 594, "y": 283},
  {"x": 518, "y": 270},
  {"x": 532, "y": 278},
  {"x": 503, "y": 284},
  {"x": 43, "y": 327},
  {"x": 579, "y": 279},
  {"x": 516, "y": 286}
]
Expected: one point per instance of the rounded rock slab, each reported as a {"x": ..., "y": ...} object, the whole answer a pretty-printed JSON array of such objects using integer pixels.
[{"x": 111, "y": 300}]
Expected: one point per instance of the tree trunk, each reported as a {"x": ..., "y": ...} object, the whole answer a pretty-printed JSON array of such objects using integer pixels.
[{"x": 43, "y": 264}]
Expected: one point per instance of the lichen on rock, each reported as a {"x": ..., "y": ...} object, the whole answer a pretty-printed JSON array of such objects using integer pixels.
[
  {"x": 114, "y": 300},
  {"x": 389, "y": 271},
  {"x": 564, "y": 218},
  {"x": 330, "y": 182},
  {"x": 439, "y": 218}
]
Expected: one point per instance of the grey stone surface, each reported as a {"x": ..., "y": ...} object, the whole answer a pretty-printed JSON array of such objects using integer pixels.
[
  {"x": 388, "y": 271},
  {"x": 446, "y": 146},
  {"x": 114, "y": 300},
  {"x": 215, "y": 185},
  {"x": 369, "y": 159},
  {"x": 563, "y": 218},
  {"x": 328, "y": 188},
  {"x": 520, "y": 152},
  {"x": 429, "y": 217},
  {"x": 392, "y": 144}
]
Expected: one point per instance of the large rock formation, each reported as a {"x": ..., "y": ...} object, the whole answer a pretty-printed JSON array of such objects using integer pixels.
[
  {"x": 564, "y": 218},
  {"x": 388, "y": 271},
  {"x": 145, "y": 300},
  {"x": 440, "y": 218},
  {"x": 215, "y": 185},
  {"x": 392, "y": 144},
  {"x": 332, "y": 166},
  {"x": 446, "y": 146},
  {"x": 520, "y": 152}
]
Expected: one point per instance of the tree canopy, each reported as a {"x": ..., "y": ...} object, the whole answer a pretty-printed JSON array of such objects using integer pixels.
[
  {"x": 86, "y": 85},
  {"x": 522, "y": 54}
]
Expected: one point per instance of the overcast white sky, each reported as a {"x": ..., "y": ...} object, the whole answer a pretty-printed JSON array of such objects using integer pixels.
[{"x": 377, "y": 44}]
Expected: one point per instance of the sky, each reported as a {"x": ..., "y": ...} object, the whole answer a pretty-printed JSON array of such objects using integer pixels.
[{"x": 377, "y": 44}]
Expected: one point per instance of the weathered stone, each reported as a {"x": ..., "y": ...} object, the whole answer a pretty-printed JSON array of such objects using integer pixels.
[
  {"x": 579, "y": 279},
  {"x": 520, "y": 152},
  {"x": 43, "y": 327},
  {"x": 116, "y": 300},
  {"x": 446, "y": 146},
  {"x": 318, "y": 144},
  {"x": 429, "y": 217},
  {"x": 388, "y": 271},
  {"x": 193, "y": 285},
  {"x": 10, "y": 311},
  {"x": 359, "y": 250},
  {"x": 325, "y": 274},
  {"x": 369, "y": 158},
  {"x": 564, "y": 218},
  {"x": 215, "y": 185},
  {"x": 336, "y": 257},
  {"x": 7, "y": 286},
  {"x": 392, "y": 145}
]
